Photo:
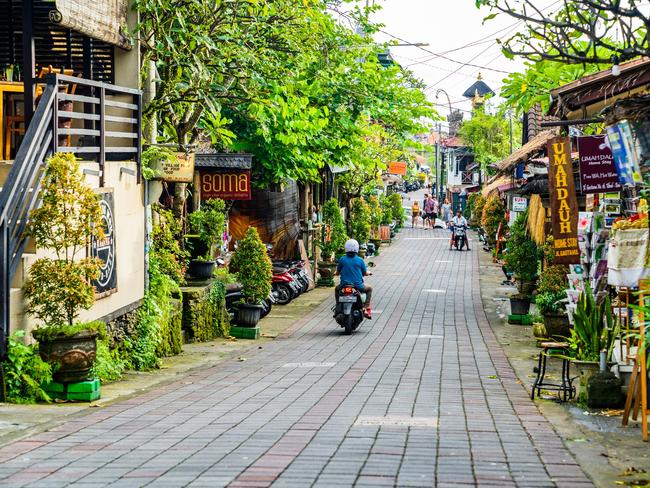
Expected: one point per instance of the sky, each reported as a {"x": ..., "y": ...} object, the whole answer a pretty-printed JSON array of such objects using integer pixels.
[{"x": 448, "y": 25}]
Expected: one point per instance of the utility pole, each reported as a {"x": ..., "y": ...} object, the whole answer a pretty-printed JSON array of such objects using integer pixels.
[{"x": 510, "y": 115}]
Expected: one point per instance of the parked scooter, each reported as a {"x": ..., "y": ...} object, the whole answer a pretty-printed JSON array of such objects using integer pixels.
[{"x": 284, "y": 285}]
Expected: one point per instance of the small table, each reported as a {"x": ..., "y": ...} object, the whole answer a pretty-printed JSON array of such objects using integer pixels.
[
  {"x": 9, "y": 87},
  {"x": 565, "y": 388}
]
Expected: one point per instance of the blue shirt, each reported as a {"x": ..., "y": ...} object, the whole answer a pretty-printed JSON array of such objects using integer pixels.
[{"x": 352, "y": 271}]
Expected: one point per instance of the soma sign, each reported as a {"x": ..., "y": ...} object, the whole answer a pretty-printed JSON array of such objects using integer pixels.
[
  {"x": 564, "y": 204},
  {"x": 225, "y": 184}
]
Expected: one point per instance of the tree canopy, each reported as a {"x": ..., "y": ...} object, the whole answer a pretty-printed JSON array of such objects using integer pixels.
[
  {"x": 282, "y": 79},
  {"x": 576, "y": 31}
]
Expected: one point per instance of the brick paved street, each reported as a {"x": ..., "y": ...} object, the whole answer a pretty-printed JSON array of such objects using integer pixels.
[{"x": 420, "y": 396}]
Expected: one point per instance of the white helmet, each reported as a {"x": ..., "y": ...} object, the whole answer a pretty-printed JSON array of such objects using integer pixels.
[{"x": 351, "y": 245}]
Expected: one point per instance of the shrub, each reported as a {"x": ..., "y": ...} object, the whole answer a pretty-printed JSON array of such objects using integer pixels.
[
  {"x": 253, "y": 267},
  {"x": 551, "y": 288},
  {"x": 68, "y": 218},
  {"x": 359, "y": 221},
  {"x": 494, "y": 214},
  {"x": 165, "y": 236},
  {"x": 593, "y": 329},
  {"x": 397, "y": 208},
  {"x": 334, "y": 234},
  {"x": 208, "y": 224},
  {"x": 477, "y": 209},
  {"x": 522, "y": 252},
  {"x": 25, "y": 371},
  {"x": 376, "y": 214}
]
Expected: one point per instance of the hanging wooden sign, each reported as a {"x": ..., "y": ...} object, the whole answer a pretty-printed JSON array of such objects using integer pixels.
[
  {"x": 397, "y": 168},
  {"x": 564, "y": 204},
  {"x": 225, "y": 184}
]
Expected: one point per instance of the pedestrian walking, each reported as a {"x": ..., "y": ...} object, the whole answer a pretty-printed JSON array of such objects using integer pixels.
[
  {"x": 445, "y": 212},
  {"x": 428, "y": 211},
  {"x": 415, "y": 213}
]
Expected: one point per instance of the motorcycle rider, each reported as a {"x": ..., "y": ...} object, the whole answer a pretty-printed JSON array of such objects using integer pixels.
[
  {"x": 352, "y": 269},
  {"x": 459, "y": 221}
]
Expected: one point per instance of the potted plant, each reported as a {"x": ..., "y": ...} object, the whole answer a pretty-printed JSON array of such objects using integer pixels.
[
  {"x": 58, "y": 288},
  {"x": 397, "y": 210},
  {"x": 254, "y": 272},
  {"x": 332, "y": 239},
  {"x": 593, "y": 331},
  {"x": 376, "y": 217},
  {"x": 493, "y": 215},
  {"x": 207, "y": 226},
  {"x": 521, "y": 258},
  {"x": 151, "y": 172},
  {"x": 359, "y": 221}
]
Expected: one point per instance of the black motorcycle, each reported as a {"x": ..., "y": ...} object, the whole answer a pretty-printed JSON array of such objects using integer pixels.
[
  {"x": 348, "y": 312},
  {"x": 459, "y": 236}
]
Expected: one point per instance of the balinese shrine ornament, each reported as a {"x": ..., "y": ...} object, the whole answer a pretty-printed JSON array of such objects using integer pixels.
[{"x": 564, "y": 204}]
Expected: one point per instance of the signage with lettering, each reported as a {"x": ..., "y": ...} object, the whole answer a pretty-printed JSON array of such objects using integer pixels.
[
  {"x": 104, "y": 249},
  {"x": 597, "y": 168},
  {"x": 519, "y": 204},
  {"x": 564, "y": 204},
  {"x": 181, "y": 170},
  {"x": 397, "y": 168},
  {"x": 226, "y": 184}
]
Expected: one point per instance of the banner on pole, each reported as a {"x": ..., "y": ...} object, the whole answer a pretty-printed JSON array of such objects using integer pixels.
[
  {"x": 564, "y": 204},
  {"x": 597, "y": 168}
]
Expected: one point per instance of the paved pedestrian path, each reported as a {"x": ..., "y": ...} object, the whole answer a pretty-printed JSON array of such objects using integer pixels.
[{"x": 420, "y": 396}]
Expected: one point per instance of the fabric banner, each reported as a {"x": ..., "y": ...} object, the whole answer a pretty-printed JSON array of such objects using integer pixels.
[
  {"x": 628, "y": 257},
  {"x": 564, "y": 204},
  {"x": 597, "y": 168}
]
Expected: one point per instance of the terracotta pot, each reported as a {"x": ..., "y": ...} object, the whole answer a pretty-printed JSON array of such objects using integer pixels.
[
  {"x": 73, "y": 356},
  {"x": 557, "y": 325}
]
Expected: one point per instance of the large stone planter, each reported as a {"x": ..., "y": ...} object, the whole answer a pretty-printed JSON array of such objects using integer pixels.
[
  {"x": 72, "y": 356},
  {"x": 326, "y": 271},
  {"x": 557, "y": 325},
  {"x": 586, "y": 369}
]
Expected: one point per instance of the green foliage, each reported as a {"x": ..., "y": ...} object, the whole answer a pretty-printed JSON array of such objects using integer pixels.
[
  {"x": 359, "y": 220},
  {"x": 551, "y": 288},
  {"x": 217, "y": 297},
  {"x": 522, "y": 252},
  {"x": 334, "y": 234},
  {"x": 593, "y": 330},
  {"x": 111, "y": 361},
  {"x": 253, "y": 266},
  {"x": 165, "y": 236},
  {"x": 376, "y": 215},
  {"x": 478, "y": 202},
  {"x": 523, "y": 90},
  {"x": 209, "y": 223},
  {"x": 151, "y": 156},
  {"x": 489, "y": 136},
  {"x": 25, "y": 371},
  {"x": 45, "y": 334},
  {"x": 493, "y": 215},
  {"x": 68, "y": 218},
  {"x": 397, "y": 208}
]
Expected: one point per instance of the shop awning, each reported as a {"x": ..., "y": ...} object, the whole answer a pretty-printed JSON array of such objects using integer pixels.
[
  {"x": 536, "y": 145},
  {"x": 499, "y": 184},
  {"x": 223, "y": 160}
]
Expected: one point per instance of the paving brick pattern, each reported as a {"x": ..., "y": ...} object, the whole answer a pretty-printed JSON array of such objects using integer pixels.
[{"x": 421, "y": 396}]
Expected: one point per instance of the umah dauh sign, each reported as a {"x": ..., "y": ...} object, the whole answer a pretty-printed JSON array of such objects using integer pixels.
[{"x": 564, "y": 204}]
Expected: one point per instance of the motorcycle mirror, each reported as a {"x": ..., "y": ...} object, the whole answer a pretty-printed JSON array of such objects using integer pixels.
[{"x": 371, "y": 264}]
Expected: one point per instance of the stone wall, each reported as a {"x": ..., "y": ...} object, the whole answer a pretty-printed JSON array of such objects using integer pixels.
[{"x": 204, "y": 313}]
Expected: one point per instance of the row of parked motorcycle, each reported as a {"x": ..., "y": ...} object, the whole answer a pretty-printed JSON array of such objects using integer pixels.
[{"x": 290, "y": 280}]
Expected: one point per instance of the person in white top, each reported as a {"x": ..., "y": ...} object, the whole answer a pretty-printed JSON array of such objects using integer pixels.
[{"x": 459, "y": 221}]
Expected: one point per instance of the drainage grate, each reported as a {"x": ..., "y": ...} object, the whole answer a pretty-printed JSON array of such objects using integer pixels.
[
  {"x": 308, "y": 365},
  {"x": 397, "y": 421}
]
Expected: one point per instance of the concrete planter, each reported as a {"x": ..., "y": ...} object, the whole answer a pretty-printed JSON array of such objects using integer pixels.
[
  {"x": 557, "y": 325},
  {"x": 519, "y": 305},
  {"x": 72, "y": 356}
]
